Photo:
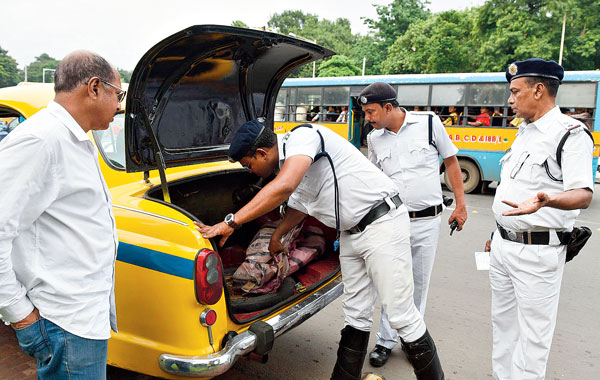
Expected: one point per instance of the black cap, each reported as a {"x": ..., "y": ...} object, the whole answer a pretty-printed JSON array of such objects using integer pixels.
[
  {"x": 535, "y": 67},
  {"x": 377, "y": 92},
  {"x": 244, "y": 139}
]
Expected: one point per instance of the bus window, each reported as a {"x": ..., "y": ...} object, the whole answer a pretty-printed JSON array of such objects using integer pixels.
[
  {"x": 413, "y": 95},
  {"x": 280, "y": 114},
  {"x": 487, "y": 99},
  {"x": 487, "y": 94},
  {"x": 334, "y": 98},
  {"x": 578, "y": 95},
  {"x": 450, "y": 98},
  {"x": 308, "y": 101}
]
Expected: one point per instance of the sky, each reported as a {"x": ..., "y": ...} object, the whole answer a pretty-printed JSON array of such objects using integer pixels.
[{"x": 122, "y": 31}]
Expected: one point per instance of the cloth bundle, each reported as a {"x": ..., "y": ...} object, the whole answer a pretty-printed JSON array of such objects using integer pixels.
[{"x": 260, "y": 273}]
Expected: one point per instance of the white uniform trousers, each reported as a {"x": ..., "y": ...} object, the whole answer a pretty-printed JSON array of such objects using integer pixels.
[
  {"x": 424, "y": 235},
  {"x": 371, "y": 262},
  {"x": 525, "y": 282}
]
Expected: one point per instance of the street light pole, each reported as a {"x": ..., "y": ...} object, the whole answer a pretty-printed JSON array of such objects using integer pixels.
[
  {"x": 562, "y": 39},
  {"x": 44, "y": 74}
]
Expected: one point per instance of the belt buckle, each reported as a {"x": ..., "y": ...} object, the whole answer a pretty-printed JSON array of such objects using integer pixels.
[{"x": 512, "y": 236}]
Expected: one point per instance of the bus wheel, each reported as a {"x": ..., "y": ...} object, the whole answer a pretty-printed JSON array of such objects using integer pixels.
[{"x": 470, "y": 175}]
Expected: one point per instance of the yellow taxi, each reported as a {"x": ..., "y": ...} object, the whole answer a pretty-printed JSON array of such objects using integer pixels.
[{"x": 165, "y": 161}]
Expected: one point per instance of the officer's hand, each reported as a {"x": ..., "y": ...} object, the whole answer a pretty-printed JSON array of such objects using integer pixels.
[
  {"x": 488, "y": 246},
  {"x": 460, "y": 215},
  {"x": 219, "y": 229},
  {"x": 275, "y": 246},
  {"x": 528, "y": 206},
  {"x": 33, "y": 317}
]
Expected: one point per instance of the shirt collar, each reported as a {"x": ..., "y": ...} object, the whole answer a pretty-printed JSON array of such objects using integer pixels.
[
  {"x": 65, "y": 117},
  {"x": 544, "y": 122},
  {"x": 281, "y": 138},
  {"x": 409, "y": 118}
]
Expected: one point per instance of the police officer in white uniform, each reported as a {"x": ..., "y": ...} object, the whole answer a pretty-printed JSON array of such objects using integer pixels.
[
  {"x": 406, "y": 146},
  {"x": 535, "y": 207},
  {"x": 317, "y": 172}
]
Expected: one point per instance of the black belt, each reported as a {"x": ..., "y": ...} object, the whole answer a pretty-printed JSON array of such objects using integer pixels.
[
  {"x": 532, "y": 237},
  {"x": 428, "y": 212},
  {"x": 375, "y": 213}
]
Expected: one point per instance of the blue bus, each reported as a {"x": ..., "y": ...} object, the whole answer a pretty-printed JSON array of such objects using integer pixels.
[{"x": 459, "y": 99}]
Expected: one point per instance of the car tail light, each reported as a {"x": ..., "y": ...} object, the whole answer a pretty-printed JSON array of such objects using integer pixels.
[{"x": 208, "y": 277}]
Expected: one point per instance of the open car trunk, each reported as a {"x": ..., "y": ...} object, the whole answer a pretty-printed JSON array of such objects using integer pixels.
[{"x": 209, "y": 198}]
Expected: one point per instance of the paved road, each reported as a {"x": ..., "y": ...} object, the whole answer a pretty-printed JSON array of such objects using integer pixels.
[{"x": 458, "y": 316}]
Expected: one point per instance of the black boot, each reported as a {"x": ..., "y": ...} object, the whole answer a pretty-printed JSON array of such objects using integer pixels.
[
  {"x": 422, "y": 354},
  {"x": 351, "y": 354}
]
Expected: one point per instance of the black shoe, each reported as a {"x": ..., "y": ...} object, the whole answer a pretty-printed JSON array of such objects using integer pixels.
[{"x": 379, "y": 356}]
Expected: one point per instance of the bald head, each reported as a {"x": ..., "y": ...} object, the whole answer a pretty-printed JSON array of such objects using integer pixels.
[{"x": 78, "y": 67}]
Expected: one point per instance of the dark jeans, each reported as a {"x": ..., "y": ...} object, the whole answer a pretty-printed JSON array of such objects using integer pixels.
[{"x": 61, "y": 355}]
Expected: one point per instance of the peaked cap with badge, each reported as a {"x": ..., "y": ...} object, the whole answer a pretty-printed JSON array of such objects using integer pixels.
[{"x": 535, "y": 67}]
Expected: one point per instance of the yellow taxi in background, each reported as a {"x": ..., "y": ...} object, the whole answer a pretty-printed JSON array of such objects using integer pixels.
[{"x": 165, "y": 162}]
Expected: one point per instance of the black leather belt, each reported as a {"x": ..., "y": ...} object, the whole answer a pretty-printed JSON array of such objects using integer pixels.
[
  {"x": 375, "y": 213},
  {"x": 532, "y": 237},
  {"x": 428, "y": 212}
]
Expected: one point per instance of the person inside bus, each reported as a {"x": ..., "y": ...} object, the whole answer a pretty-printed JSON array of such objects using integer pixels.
[
  {"x": 417, "y": 108},
  {"x": 343, "y": 118},
  {"x": 319, "y": 115},
  {"x": 482, "y": 120},
  {"x": 497, "y": 117},
  {"x": 584, "y": 116},
  {"x": 452, "y": 118},
  {"x": 331, "y": 114}
]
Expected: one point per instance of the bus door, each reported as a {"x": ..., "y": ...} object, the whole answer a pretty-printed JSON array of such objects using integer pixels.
[{"x": 358, "y": 124}]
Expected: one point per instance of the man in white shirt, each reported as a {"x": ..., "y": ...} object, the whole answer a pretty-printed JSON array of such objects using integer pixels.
[
  {"x": 406, "y": 146},
  {"x": 58, "y": 239},
  {"x": 541, "y": 190},
  {"x": 322, "y": 175}
]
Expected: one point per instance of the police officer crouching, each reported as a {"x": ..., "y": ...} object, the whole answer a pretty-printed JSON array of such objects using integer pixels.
[
  {"x": 321, "y": 174},
  {"x": 541, "y": 191}
]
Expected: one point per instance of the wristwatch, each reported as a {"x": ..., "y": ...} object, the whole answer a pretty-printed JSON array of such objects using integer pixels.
[{"x": 230, "y": 221}]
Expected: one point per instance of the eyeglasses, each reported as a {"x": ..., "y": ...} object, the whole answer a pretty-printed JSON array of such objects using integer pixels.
[{"x": 120, "y": 95}]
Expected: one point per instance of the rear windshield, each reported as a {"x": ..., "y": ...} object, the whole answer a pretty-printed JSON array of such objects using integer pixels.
[{"x": 111, "y": 143}]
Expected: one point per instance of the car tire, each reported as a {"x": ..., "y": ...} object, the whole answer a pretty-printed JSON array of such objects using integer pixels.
[
  {"x": 251, "y": 304},
  {"x": 471, "y": 177}
]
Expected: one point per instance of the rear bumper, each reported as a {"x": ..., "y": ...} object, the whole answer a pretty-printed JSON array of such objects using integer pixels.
[{"x": 220, "y": 362}]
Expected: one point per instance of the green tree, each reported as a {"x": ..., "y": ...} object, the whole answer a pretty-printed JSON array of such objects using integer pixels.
[
  {"x": 125, "y": 75},
  {"x": 582, "y": 32},
  {"x": 443, "y": 43},
  {"x": 396, "y": 18},
  {"x": 335, "y": 35},
  {"x": 9, "y": 72},
  {"x": 338, "y": 66},
  {"x": 240, "y": 24},
  {"x": 35, "y": 69}
]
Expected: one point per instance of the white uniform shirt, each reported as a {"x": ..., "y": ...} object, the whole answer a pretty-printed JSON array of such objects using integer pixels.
[
  {"x": 361, "y": 185},
  {"x": 524, "y": 172},
  {"x": 410, "y": 160},
  {"x": 58, "y": 239}
]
